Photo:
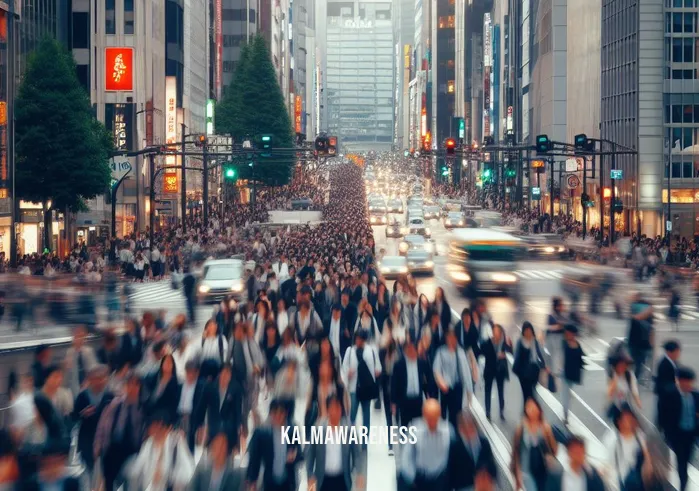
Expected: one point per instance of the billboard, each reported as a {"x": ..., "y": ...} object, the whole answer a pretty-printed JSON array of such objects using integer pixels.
[
  {"x": 170, "y": 117},
  {"x": 218, "y": 42},
  {"x": 118, "y": 69},
  {"x": 170, "y": 183},
  {"x": 487, "y": 69},
  {"x": 298, "y": 109}
]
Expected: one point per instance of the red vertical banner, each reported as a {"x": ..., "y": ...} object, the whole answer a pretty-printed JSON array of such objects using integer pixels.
[
  {"x": 218, "y": 36},
  {"x": 149, "y": 122},
  {"x": 298, "y": 108}
]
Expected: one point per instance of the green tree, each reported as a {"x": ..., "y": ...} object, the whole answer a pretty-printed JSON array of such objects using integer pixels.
[
  {"x": 62, "y": 151},
  {"x": 253, "y": 105}
]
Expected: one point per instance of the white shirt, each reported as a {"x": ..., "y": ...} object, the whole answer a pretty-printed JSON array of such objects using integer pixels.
[
  {"x": 334, "y": 334},
  {"x": 333, "y": 459},
  {"x": 210, "y": 349},
  {"x": 282, "y": 321},
  {"x": 350, "y": 364},
  {"x": 412, "y": 378},
  {"x": 186, "y": 398},
  {"x": 623, "y": 451},
  {"x": 573, "y": 481}
]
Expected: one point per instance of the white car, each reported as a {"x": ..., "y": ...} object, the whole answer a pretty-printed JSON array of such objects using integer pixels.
[
  {"x": 393, "y": 266},
  {"x": 220, "y": 279}
]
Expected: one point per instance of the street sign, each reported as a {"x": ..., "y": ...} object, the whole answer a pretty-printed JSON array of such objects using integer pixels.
[
  {"x": 571, "y": 165},
  {"x": 573, "y": 181},
  {"x": 668, "y": 226},
  {"x": 120, "y": 167},
  {"x": 616, "y": 174},
  {"x": 536, "y": 193}
]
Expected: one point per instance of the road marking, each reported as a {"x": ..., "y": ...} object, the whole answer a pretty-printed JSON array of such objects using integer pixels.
[{"x": 502, "y": 450}]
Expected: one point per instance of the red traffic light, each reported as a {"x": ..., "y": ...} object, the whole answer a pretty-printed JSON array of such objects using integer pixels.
[{"x": 450, "y": 143}]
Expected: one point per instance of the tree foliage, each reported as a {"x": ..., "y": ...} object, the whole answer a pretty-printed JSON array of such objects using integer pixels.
[
  {"x": 62, "y": 150},
  {"x": 253, "y": 105}
]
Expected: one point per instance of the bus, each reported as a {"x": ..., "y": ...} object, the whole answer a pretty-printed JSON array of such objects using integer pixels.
[{"x": 482, "y": 260}]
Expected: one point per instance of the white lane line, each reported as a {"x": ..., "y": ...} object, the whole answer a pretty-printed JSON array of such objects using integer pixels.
[
  {"x": 555, "y": 274},
  {"x": 522, "y": 274}
]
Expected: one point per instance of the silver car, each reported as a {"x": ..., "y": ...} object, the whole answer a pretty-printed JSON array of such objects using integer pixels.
[
  {"x": 393, "y": 266},
  {"x": 420, "y": 261},
  {"x": 221, "y": 278}
]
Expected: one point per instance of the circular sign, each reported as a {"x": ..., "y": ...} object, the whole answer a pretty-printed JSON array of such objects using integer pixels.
[{"x": 573, "y": 181}]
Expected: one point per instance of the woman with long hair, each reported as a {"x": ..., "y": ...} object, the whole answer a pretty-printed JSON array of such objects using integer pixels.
[
  {"x": 213, "y": 351},
  {"x": 441, "y": 306},
  {"x": 326, "y": 353},
  {"x": 420, "y": 315},
  {"x": 281, "y": 315},
  {"x": 628, "y": 460},
  {"x": 381, "y": 304},
  {"x": 163, "y": 390},
  {"x": 529, "y": 361},
  {"x": 259, "y": 318},
  {"x": 534, "y": 447}
]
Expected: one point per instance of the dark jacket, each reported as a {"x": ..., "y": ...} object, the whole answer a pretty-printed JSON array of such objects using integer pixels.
[
  {"x": 166, "y": 402},
  {"x": 487, "y": 351},
  {"x": 131, "y": 350},
  {"x": 665, "y": 377},
  {"x": 670, "y": 415},
  {"x": 88, "y": 424},
  {"x": 399, "y": 380},
  {"x": 203, "y": 404},
  {"x": 523, "y": 358},
  {"x": 232, "y": 479},
  {"x": 554, "y": 482},
  {"x": 462, "y": 468},
  {"x": 469, "y": 339},
  {"x": 227, "y": 412},
  {"x": 261, "y": 454},
  {"x": 573, "y": 363}
]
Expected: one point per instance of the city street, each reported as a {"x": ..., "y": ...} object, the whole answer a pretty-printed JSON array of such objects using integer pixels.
[{"x": 540, "y": 281}]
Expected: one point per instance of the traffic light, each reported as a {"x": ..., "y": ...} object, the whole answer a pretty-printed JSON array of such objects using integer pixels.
[
  {"x": 266, "y": 142},
  {"x": 229, "y": 173},
  {"x": 321, "y": 144},
  {"x": 201, "y": 141},
  {"x": 510, "y": 172},
  {"x": 332, "y": 145},
  {"x": 543, "y": 144},
  {"x": 445, "y": 170},
  {"x": 488, "y": 141},
  {"x": 427, "y": 142},
  {"x": 406, "y": 153},
  {"x": 486, "y": 175},
  {"x": 618, "y": 206},
  {"x": 583, "y": 144},
  {"x": 450, "y": 145}
]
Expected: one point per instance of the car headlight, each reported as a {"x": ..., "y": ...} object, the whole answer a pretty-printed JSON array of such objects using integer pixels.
[
  {"x": 429, "y": 264},
  {"x": 447, "y": 222},
  {"x": 428, "y": 231},
  {"x": 504, "y": 278},
  {"x": 237, "y": 287},
  {"x": 549, "y": 249},
  {"x": 385, "y": 270},
  {"x": 405, "y": 230},
  {"x": 204, "y": 289},
  {"x": 372, "y": 219},
  {"x": 561, "y": 249},
  {"x": 461, "y": 222},
  {"x": 404, "y": 269},
  {"x": 460, "y": 276},
  {"x": 403, "y": 247}
]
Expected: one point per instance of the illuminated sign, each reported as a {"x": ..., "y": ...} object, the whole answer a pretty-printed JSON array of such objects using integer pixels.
[
  {"x": 170, "y": 116},
  {"x": 118, "y": 69},
  {"x": 298, "y": 109},
  {"x": 210, "y": 117},
  {"x": 538, "y": 164},
  {"x": 616, "y": 174},
  {"x": 218, "y": 31},
  {"x": 120, "y": 127},
  {"x": 510, "y": 120},
  {"x": 423, "y": 122},
  {"x": 170, "y": 183},
  {"x": 487, "y": 40}
]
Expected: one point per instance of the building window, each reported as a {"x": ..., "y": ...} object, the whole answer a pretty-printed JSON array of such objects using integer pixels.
[
  {"x": 688, "y": 50},
  {"x": 446, "y": 22},
  {"x": 233, "y": 40},
  {"x": 676, "y": 22},
  {"x": 83, "y": 72},
  {"x": 128, "y": 17},
  {"x": 81, "y": 30},
  {"x": 677, "y": 50},
  {"x": 109, "y": 17}
]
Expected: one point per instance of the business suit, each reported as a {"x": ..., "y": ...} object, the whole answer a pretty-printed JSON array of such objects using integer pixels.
[
  {"x": 345, "y": 338},
  {"x": 491, "y": 373},
  {"x": 409, "y": 408},
  {"x": 681, "y": 440},
  {"x": 203, "y": 403},
  {"x": 353, "y": 460},
  {"x": 232, "y": 479},
  {"x": 165, "y": 402},
  {"x": 131, "y": 349},
  {"x": 227, "y": 415},
  {"x": 462, "y": 466},
  {"x": 593, "y": 480},
  {"x": 665, "y": 384},
  {"x": 88, "y": 424},
  {"x": 261, "y": 454}
]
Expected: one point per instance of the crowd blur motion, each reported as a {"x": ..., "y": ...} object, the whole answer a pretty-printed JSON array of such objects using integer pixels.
[{"x": 316, "y": 324}]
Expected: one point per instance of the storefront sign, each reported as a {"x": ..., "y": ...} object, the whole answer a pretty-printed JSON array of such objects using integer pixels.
[
  {"x": 218, "y": 32},
  {"x": 120, "y": 167},
  {"x": 118, "y": 69},
  {"x": 298, "y": 109},
  {"x": 149, "y": 122},
  {"x": 616, "y": 174},
  {"x": 170, "y": 183},
  {"x": 120, "y": 131},
  {"x": 573, "y": 181},
  {"x": 170, "y": 117}
]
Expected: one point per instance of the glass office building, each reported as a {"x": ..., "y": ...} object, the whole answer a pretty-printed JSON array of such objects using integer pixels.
[{"x": 359, "y": 74}]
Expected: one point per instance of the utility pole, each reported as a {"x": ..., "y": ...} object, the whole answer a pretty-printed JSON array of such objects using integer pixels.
[
  {"x": 183, "y": 191},
  {"x": 205, "y": 185},
  {"x": 601, "y": 191},
  {"x": 668, "y": 220},
  {"x": 584, "y": 193},
  {"x": 151, "y": 214},
  {"x": 611, "y": 202},
  {"x": 551, "y": 195}
]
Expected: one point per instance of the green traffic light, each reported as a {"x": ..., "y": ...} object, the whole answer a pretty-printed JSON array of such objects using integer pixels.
[
  {"x": 230, "y": 174},
  {"x": 486, "y": 174}
]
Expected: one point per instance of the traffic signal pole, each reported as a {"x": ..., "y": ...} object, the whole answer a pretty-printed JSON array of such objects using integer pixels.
[
  {"x": 551, "y": 195},
  {"x": 205, "y": 186},
  {"x": 183, "y": 191},
  {"x": 611, "y": 203},
  {"x": 151, "y": 212}
]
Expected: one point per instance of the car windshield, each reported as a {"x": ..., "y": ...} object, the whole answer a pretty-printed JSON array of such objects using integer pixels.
[
  {"x": 455, "y": 216},
  {"x": 495, "y": 254},
  {"x": 393, "y": 261},
  {"x": 415, "y": 239},
  {"x": 223, "y": 272},
  {"x": 379, "y": 210},
  {"x": 418, "y": 254},
  {"x": 416, "y": 221}
]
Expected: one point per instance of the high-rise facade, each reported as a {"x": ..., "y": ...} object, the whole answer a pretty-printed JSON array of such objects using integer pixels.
[{"x": 358, "y": 73}]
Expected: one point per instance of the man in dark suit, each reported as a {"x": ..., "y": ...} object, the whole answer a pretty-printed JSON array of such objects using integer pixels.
[
  {"x": 469, "y": 451},
  {"x": 337, "y": 330},
  {"x": 680, "y": 421},
  {"x": 88, "y": 409},
  {"x": 217, "y": 473},
  {"x": 131, "y": 350},
  {"x": 195, "y": 402},
  {"x": 42, "y": 360},
  {"x": 665, "y": 378},
  {"x": 412, "y": 377},
  {"x": 349, "y": 309},
  {"x": 227, "y": 397},
  {"x": 577, "y": 471},
  {"x": 271, "y": 450},
  {"x": 331, "y": 467}
]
